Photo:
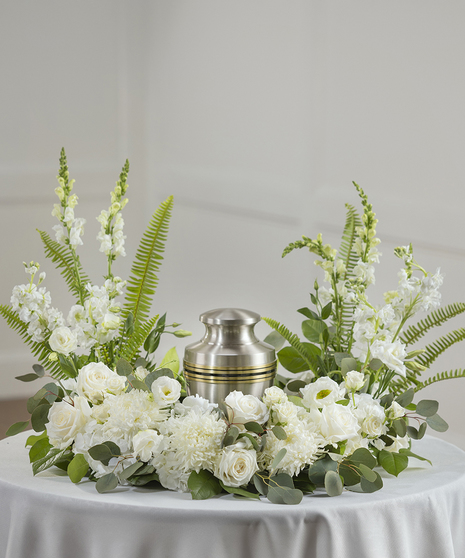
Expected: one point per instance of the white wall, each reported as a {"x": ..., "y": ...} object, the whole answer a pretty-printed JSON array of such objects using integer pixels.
[{"x": 256, "y": 115}]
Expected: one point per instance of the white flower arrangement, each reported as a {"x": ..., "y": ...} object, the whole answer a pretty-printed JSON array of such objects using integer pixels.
[{"x": 117, "y": 417}]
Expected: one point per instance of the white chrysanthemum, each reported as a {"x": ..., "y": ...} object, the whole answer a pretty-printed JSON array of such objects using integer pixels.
[
  {"x": 192, "y": 442},
  {"x": 303, "y": 446}
]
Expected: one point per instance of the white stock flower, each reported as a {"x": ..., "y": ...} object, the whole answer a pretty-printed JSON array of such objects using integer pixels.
[
  {"x": 146, "y": 444},
  {"x": 390, "y": 354},
  {"x": 338, "y": 423},
  {"x": 236, "y": 466},
  {"x": 63, "y": 341},
  {"x": 166, "y": 391},
  {"x": 246, "y": 408},
  {"x": 321, "y": 392},
  {"x": 65, "y": 420}
]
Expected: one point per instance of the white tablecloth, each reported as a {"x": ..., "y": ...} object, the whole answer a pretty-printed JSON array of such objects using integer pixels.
[{"x": 419, "y": 514}]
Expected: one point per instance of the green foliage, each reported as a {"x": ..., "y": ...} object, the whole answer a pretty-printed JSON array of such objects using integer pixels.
[
  {"x": 143, "y": 280},
  {"x": 130, "y": 347},
  {"x": 203, "y": 485},
  {"x": 40, "y": 350},
  {"x": 433, "y": 350},
  {"x": 77, "y": 468},
  {"x": 295, "y": 342},
  {"x": 16, "y": 428},
  {"x": 107, "y": 483},
  {"x": 434, "y": 319},
  {"x": 68, "y": 264}
]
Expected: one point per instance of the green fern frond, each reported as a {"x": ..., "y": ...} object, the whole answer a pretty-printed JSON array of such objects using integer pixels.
[
  {"x": 436, "y": 318},
  {"x": 294, "y": 342},
  {"x": 400, "y": 385},
  {"x": 137, "y": 339},
  {"x": 349, "y": 235},
  {"x": 61, "y": 256},
  {"x": 143, "y": 281},
  {"x": 450, "y": 375},
  {"x": 433, "y": 350},
  {"x": 40, "y": 350}
]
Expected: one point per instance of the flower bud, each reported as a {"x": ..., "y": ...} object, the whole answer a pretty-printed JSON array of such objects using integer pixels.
[
  {"x": 182, "y": 333},
  {"x": 60, "y": 193},
  {"x": 72, "y": 201}
]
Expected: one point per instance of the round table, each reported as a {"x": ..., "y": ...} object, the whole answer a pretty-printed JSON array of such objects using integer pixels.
[{"x": 419, "y": 514}]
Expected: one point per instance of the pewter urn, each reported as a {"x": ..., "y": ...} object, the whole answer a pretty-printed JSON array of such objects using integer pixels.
[{"x": 229, "y": 357}]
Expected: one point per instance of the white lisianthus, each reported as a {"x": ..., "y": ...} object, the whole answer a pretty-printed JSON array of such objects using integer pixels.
[
  {"x": 93, "y": 381},
  {"x": 166, "y": 391},
  {"x": 246, "y": 408},
  {"x": 65, "y": 420},
  {"x": 146, "y": 444},
  {"x": 321, "y": 392},
  {"x": 338, "y": 423},
  {"x": 354, "y": 380},
  {"x": 236, "y": 466},
  {"x": 63, "y": 341}
]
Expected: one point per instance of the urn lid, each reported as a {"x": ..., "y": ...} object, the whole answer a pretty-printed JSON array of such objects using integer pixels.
[{"x": 229, "y": 316}]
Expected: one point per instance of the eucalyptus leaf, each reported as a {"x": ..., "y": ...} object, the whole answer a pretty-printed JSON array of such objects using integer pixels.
[
  {"x": 231, "y": 436},
  {"x": 279, "y": 432},
  {"x": 386, "y": 400},
  {"x": 363, "y": 456},
  {"x": 139, "y": 384},
  {"x": 393, "y": 463},
  {"x": 140, "y": 362},
  {"x": 333, "y": 483},
  {"x": 27, "y": 377},
  {"x": 367, "y": 473},
  {"x": 104, "y": 452},
  {"x": 77, "y": 468},
  {"x": 142, "y": 480},
  {"x": 296, "y": 400},
  {"x": 319, "y": 468},
  {"x": 16, "y": 428},
  {"x": 123, "y": 367},
  {"x": 152, "y": 341},
  {"x": 260, "y": 484},
  {"x": 39, "y": 417},
  {"x": 275, "y": 339},
  {"x": 348, "y": 364},
  {"x": 280, "y": 495},
  {"x": 427, "y": 407},
  {"x": 253, "y": 427},
  {"x": 413, "y": 432},
  {"x": 422, "y": 430},
  {"x": 349, "y": 473},
  {"x": 131, "y": 470},
  {"x": 295, "y": 385},
  {"x": 437, "y": 423},
  {"x": 203, "y": 485},
  {"x": 278, "y": 458},
  {"x": 375, "y": 364},
  {"x": 400, "y": 427},
  {"x": 252, "y": 440},
  {"x": 406, "y": 398},
  {"x": 370, "y": 487},
  {"x": 39, "y": 370},
  {"x": 106, "y": 483},
  {"x": 282, "y": 479},
  {"x": 338, "y": 357}
]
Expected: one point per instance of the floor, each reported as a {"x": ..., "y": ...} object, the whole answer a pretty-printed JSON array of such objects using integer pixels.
[{"x": 12, "y": 411}]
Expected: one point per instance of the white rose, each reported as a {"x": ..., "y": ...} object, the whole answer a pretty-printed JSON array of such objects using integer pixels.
[
  {"x": 116, "y": 384},
  {"x": 321, "y": 392},
  {"x": 338, "y": 423},
  {"x": 354, "y": 380},
  {"x": 93, "y": 381},
  {"x": 166, "y": 391},
  {"x": 66, "y": 420},
  {"x": 273, "y": 396},
  {"x": 236, "y": 466},
  {"x": 146, "y": 444},
  {"x": 63, "y": 341},
  {"x": 246, "y": 408},
  {"x": 195, "y": 403}
]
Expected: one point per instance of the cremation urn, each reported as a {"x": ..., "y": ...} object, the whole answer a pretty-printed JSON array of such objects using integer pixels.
[{"x": 229, "y": 357}]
